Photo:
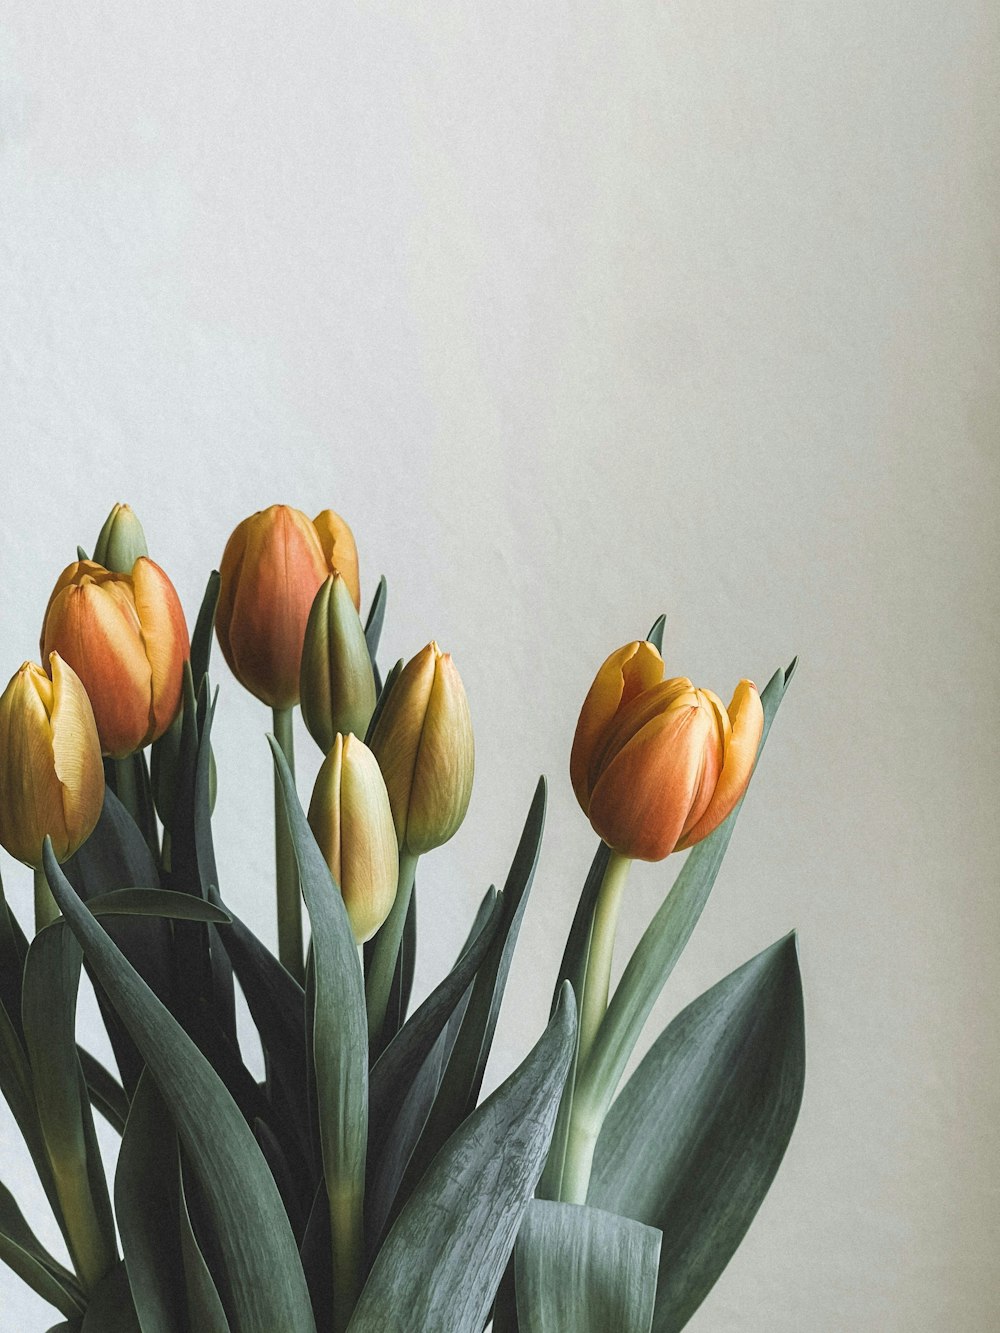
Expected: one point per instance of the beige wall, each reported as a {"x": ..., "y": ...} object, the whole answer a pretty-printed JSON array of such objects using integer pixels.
[{"x": 580, "y": 313}]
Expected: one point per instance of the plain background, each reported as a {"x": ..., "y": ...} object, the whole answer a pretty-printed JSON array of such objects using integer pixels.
[{"x": 579, "y": 313}]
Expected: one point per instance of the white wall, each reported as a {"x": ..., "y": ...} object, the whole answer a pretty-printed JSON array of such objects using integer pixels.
[{"x": 580, "y": 313}]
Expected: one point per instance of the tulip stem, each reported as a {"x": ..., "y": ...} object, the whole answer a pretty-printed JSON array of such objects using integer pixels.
[
  {"x": 287, "y": 874},
  {"x": 126, "y": 788},
  {"x": 386, "y": 951},
  {"x": 46, "y": 910},
  {"x": 347, "y": 1237},
  {"x": 584, "y": 1127}
]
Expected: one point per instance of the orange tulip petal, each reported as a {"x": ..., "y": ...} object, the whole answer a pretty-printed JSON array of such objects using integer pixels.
[
  {"x": 165, "y": 636},
  {"x": 229, "y": 576},
  {"x": 643, "y": 798},
  {"x": 627, "y": 672},
  {"x": 678, "y": 692},
  {"x": 747, "y": 716}
]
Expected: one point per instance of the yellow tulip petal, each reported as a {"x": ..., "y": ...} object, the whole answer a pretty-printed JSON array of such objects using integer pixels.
[
  {"x": 369, "y": 855},
  {"x": 628, "y": 671},
  {"x": 747, "y": 717},
  {"x": 340, "y": 550},
  {"x": 445, "y": 763},
  {"x": 76, "y": 754},
  {"x": 324, "y": 807},
  {"x": 396, "y": 738},
  {"x": 643, "y": 797}
]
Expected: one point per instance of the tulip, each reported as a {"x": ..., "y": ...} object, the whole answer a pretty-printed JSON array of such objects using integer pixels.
[
  {"x": 126, "y": 638},
  {"x": 337, "y": 681},
  {"x": 51, "y": 775},
  {"x": 423, "y": 742},
  {"x": 351, "y": 820},
  {"x": 658, "y": 764},
  {"x": 271, "y": 571},
  {"x": 121, "y": 541}
]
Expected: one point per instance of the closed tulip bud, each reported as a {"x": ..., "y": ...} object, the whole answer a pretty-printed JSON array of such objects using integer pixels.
[
  {"x": 272, "y": 568},
  {"x": 121, "y": 541},
  {"x": 351, "y": 820},
  {"x": 658, "y": 764},
  {"x": 423, "y": 742},
  {"x": 125, "y": 637},
  {"x": 337, "y": 684},
  {"x": 51, "y": 775}
]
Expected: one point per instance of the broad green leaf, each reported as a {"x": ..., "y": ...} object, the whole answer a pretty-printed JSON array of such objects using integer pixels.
[
  {"x": 21, "y": 1251},
  {"x": 441, "y": 1263},
  {"x": 201, "y": 639},
  {"x": 110, "y": 1308},
  {"x": 376, "y": 619},
  {"x": 584, "y": 1269},
  {"x": 51, "y": 984},
  {"x": 156, "y": 902},
  {"x": 146, "y": 1202},
  {"x": 696, "y": 1136},
  {"x": 339, "y": 1039},
  {"x": 106, "y": 1094},
  {"x": 264, "y": 1286},
  {"x": 463, "y": 1078},
  {"x": 660, "y": 946},
  {"x": 205, "y": 1310}
]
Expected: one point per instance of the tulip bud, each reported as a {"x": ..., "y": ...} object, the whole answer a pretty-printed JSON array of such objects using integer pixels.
[
  {"x": 121, "y": 542},
  {"x": 337, "y": 684},
  {"x": 271, "y": 570},
  {"x": 126, "y": 638},
  {"x": 51, "y": 775},
  {"x": 658, "y": 764},
  {"x": 423, "y": 742},
  {"x": 351, "y": 820}
]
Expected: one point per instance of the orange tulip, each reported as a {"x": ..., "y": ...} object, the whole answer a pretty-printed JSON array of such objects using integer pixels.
[
  {"x": 126, "y": 638},
  {"x": 51, "y": 775},
  {"x": 658, "y": 764},
  {"x": 272, "y": 568}
]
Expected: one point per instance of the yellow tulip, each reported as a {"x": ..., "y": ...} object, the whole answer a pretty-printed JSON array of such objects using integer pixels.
[
  {"x": 424, "y": 746},
  {"x": 271, "y": 571},
  {"x": 351, "y": 820},
  {"x": 337, "y": 685},
  {"x": 51, "y": 774},
  {"x": 126, "y": 638},
  {"x": 657, "y": 764}
]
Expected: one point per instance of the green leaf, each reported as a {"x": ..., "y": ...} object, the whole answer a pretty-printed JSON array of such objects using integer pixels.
[
  {"x": 339, "y": 1041},
  {"x": 584, "y": 1269},
  {"x": 264, "y": 1287},
  {"x": 201, "y": 639},
  {"x": 376, "y": 619},
  {"x": 660, "y": 947},
  {"x": 655, "y": 635},
  {"x": 463, "y": 1077},
  {"x": 383, "y": 695},
  {"x": 21, "y": 1251},
  {"x": 695, "y": 1138},
  {"x": 146, "y": 1202},
  {"x": 106, "y": 1094},
  {"x": 51, "y": 983},
  {"x": 205, "y": 1309},
  {"x": 110, "y": 1308},
  {"x": 441, "y": 1263},
  {"x": 156, "y": 902}
]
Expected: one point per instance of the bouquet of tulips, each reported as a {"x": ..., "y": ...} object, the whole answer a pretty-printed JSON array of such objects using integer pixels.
[{"x": 361, "y": 1184}]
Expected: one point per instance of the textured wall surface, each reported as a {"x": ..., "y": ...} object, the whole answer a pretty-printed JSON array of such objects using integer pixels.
[{"x": 579, "y": 313}]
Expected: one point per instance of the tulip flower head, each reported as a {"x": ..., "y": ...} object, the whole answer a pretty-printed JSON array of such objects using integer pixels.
[
  {"x": 657, "y": 764},
  {"x": 51, "y": 774},
  {"x": 271, "y": 570},
  {"x": 351, "y": 820},
  {"x": 424, "y": 746},
  {"x": 121, "y": 541},
  {"x": 126, "y": 638},
  {"x": 337, "y": 684}
]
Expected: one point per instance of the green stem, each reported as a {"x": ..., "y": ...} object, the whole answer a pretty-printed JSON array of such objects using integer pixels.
[
  {"x": 584, "y": 1123},
  {"x": 46, "y": 910},
  {"x": 347, "y": 1236},
  {"x": 126, "y": 787},
  {"x": 287, "y": 874},
  {"x": 386, "y": 951}
]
